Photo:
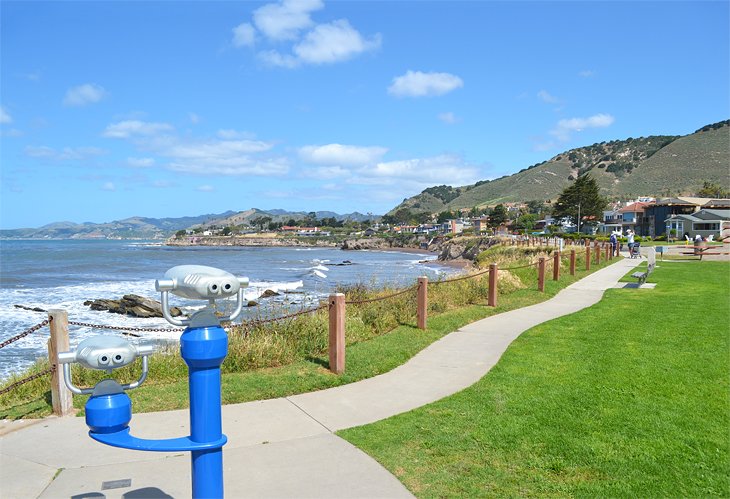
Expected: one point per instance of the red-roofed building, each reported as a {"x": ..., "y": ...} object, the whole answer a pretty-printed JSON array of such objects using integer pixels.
[{"x": 632, "y": 217}]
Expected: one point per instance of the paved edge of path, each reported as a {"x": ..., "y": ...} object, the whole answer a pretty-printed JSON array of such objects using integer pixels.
[{"x": 282, "y": 447}]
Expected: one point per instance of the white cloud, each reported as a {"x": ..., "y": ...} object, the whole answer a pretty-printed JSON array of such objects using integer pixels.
[
  {"x": 443, "y": 169},
  {"x": 244, "y": 35},
  {"x": 544, "y": 96},
  {"x": 333, "y": 42},
  {"x": 419, "y": 84},
  {"x": 194, "y": 118},
  {"x": 239, "y": 156},
  {"x": 82, "y": 95},
  {"x": 566, "y": 127},
  {"x": 327, "y": 172},
  {"x": 229, "y": 134},
  {"x": 338, "y": 154},
  {"x": 141, "y": 162},
  {"x": 65, "y": 154},
  {"x": 163, "y": 184},
  {"x": 449, "y": 118},
  {"x": 233, "y": 166},
  {"x": 222, "y": 149},
  {"x": 587, "y": 73},
  {"x": 129, "y": 128},
  {"x": 108, "y": 186},
  {"x": 290, "y": 22},
  {"x": 205, "y": 188},
  {"x": 4, "y": 116},
  {"x": 275, "y": 58},
  {"x": 285, "y": 20}
]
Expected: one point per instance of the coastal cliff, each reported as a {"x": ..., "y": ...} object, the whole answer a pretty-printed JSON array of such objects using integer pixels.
[
  {"x": 458, "y": 248},
  {"x": 251, "y": 241}
]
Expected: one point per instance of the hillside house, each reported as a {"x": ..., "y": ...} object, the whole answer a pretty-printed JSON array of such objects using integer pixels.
[
  {"x": 611, "y": 222},
  {"x": 705, "y": 222},
  {"x": 481, "y": 225},
  {"x": 657, "y": 213},
  {"x": 632, "y": 218}
]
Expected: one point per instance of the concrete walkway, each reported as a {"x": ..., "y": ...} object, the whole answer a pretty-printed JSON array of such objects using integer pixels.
[{"x": 282, "y": 447}]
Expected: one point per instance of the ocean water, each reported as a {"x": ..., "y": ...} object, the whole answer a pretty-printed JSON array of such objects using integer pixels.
[{"x": 65, "y": 273}]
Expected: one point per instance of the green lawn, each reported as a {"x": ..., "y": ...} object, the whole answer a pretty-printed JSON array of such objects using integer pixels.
[{"x": 628, "y": 398}]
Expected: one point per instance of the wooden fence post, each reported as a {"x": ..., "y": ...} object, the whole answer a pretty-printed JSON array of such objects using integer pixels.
[
  {"x": 541, "y": 274},
  {"x": 572, "y": 262},
  {"x": 61, "y": 397},
  {"x": 337, "y": 333},
  {"x": 588, "y": 257},
  {"x": 556, "y": 266},
  {"x": 492, "y": 299},
  {"x": 422, "y": 313},
  {"x": 598, "y": 253},
  {"x": 609, "y": 254}
]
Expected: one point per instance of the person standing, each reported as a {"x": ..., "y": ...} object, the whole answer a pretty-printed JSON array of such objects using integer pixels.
[{"x": 630, "y": 242}]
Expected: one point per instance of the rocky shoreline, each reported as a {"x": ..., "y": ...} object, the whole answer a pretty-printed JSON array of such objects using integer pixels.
[{"x": 462, "y": 250}]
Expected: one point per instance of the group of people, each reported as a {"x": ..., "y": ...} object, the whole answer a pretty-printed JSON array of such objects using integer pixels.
[{"x": 629, "y": 241}]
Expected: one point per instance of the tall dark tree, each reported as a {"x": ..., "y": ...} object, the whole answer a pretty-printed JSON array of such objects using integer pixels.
[
  {"x": 498, "y": 216},
  {"x": 581, "y": 198}
]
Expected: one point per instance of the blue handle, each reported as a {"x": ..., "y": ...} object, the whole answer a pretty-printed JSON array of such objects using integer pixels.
[{"x": 126, "y": 441}]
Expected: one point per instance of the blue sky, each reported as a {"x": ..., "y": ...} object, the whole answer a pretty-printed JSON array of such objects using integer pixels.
[{"x": 115, "y": 109}]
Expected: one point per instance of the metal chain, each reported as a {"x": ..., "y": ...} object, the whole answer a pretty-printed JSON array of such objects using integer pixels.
[
  {"x": 127, "y": 328},
  {"x": 12, "y": 386},
  {"x": 259, "y": 322},
  {"x": 25, "y": 333},
  {"x": 381, "y": 298}
]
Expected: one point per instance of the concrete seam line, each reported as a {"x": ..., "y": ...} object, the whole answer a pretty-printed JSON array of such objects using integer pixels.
[{"x": 308, "y": 415}]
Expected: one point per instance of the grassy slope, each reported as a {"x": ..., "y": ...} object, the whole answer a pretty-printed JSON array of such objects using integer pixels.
[
  {"x": 688, "y": 161},
  {"x": 626, "y": 398},
  {"x": 680, "y": 167}
]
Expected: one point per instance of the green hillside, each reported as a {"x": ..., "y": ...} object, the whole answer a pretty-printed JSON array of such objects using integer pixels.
[{"x": 645, "y": 166}]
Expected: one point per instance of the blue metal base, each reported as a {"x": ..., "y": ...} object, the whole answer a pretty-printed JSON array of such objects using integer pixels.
[{"x": 126, "y": 441}]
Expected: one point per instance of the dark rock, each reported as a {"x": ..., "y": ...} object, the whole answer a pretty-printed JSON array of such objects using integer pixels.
[
  {"x": 134, "y": 305},
  {"x": 269, "y": 293},
  {"x": 32, "y": 309},
  {"x": 252, "y": 303}
]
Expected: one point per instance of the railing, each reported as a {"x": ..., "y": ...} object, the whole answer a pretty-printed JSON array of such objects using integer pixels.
[{"x": 59, "y": 324}]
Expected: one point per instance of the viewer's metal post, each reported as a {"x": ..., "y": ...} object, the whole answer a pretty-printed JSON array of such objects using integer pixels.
[
  {"x": 572, "y": 262},
  {"x": 492, "y": 299},
  {"x": 337, "y": 333},
  {"x": 588, "y": 257},
  {"x": 541, "y": 274},
  {"x": 422, "y": 313},
  {"x": 61, "y": 397},
  {"x": 556, "y": 266}
]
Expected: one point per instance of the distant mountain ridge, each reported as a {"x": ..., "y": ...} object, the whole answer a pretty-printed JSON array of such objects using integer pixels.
[
  {"x": 160, "y": 228},
  {"x": 659, "y": 165}
]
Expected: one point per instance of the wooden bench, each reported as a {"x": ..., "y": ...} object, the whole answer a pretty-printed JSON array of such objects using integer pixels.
[{"x": 651, "y": 258}]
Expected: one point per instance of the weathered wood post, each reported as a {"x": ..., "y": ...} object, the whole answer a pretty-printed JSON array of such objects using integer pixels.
[
  {"x": 541, "y": 274},
  {"x": 492, "y": 299},
  {"x": 572, "y": 262},
  {"x": 337, "y": 333},
  {"x": 609, "y": 254},
  {"x": 61, "y": 397},
  {"x": 598, "y": 253},
  {"x": 588, "y": 257},
  {"x": 556, "y": 266},
  {"x": 422, "y": 313}
]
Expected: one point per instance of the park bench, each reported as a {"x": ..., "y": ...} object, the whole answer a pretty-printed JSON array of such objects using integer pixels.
[{"x": 651, "y": 263}]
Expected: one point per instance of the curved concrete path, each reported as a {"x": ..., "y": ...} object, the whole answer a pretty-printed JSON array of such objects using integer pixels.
[{"x": 282, "y": 447}]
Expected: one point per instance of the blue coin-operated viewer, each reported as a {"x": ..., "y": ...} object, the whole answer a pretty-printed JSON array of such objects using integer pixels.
[{"x": 203, "y": 346}]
